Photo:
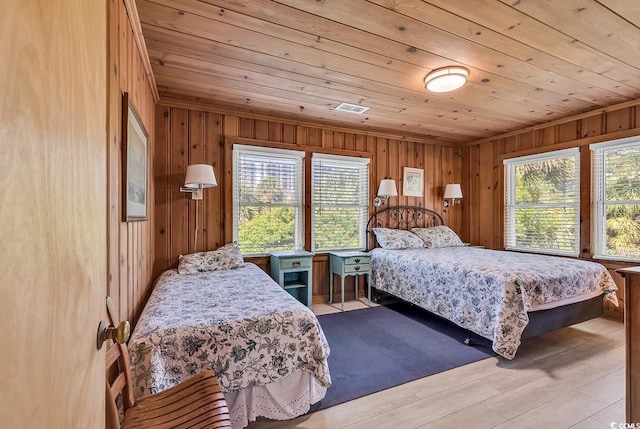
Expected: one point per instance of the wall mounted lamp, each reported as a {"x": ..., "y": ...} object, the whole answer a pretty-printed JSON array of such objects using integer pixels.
[
  {"x": 446, "y": 79},
  {"x": 453, "y": 193},
  {"x": 198, "y": 177},
  {"x": 387, "y": 189}
]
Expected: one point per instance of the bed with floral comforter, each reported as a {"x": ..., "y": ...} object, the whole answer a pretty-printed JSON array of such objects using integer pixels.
[
  {"x": 485, "y": 291},
  {"x": 237, "y": 322}
]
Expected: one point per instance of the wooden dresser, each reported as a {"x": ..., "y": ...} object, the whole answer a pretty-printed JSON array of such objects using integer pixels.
[{"x": 632, "y": 331}]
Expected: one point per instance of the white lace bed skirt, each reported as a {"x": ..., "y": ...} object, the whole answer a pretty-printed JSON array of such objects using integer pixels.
[{"x": 281, "y": 400}]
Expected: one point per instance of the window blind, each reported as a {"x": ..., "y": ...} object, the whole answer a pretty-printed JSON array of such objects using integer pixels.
[
  {"x": 340, "y": 202},
  {"x": 616, "y": 198},
  {"x": 267, "y": 199},
  {"x": 542, "y": 203}
]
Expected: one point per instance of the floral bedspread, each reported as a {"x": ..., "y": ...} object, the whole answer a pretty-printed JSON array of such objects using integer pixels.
[
  {"x": 237, "y": 322},
  {"x": 486, "y": 291}
]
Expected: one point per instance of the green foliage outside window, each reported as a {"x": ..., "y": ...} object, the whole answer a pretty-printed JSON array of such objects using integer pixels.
[
  {"x": 337, "y": 228},
  {"x": 266, "y": 228},
  {"x": 622, "y": 186},
  {"x": 550, "y": 228},
  {"x": 265, "y": 222},
  {"x": 545, "y": 216}
]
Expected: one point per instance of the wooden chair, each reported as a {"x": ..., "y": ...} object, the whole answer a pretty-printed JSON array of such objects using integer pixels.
[{"x": 197, "y": 403}]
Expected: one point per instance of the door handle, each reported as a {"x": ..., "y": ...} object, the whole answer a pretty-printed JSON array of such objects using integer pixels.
[{"x": 119, "y": 334}]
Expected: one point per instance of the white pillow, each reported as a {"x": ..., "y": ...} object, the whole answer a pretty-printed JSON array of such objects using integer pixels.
[
  {"x": 397, "y": 239},
  {"x": 438, "y": 236},
  {"x": 225, "y": 258}
]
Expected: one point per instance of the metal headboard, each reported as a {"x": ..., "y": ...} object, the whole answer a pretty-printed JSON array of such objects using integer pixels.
[{"x": 401, "y": 217}]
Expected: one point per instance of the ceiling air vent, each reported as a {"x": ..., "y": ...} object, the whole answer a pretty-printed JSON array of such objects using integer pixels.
[{"x": 351, "y": 108}]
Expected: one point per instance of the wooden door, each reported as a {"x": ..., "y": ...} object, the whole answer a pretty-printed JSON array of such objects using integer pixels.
[{"x": 52, "y": 212}]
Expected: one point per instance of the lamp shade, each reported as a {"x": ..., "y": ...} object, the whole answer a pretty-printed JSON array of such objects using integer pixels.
[
  {"x": 446, "y": 79},
  {"x": 200, "y": 176},
  {"x": 387, "y": 188},
  {"x": 453, "y": 191}
]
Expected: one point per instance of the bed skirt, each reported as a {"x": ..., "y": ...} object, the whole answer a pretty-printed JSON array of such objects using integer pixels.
[{"x": 281, "y": 400}]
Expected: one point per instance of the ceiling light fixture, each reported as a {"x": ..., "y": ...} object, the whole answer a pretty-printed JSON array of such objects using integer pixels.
[{"x": 446, "y": 79}]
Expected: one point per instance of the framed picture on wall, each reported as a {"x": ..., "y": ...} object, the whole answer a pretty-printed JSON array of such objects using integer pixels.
[
  {"x": 412, "y": 182},
  {"x": 135, "y": 164}
]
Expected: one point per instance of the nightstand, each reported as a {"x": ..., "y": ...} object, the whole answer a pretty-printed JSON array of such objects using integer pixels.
[
  {"x": 345, "y": 264},
  {"x": 293, "y": 271}
]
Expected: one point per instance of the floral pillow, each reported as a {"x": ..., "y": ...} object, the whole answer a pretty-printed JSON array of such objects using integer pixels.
[
  {"x": 396, "y": 239},
  {"x": 225, "y": 258},
  {"x": 438, "y": 236}
]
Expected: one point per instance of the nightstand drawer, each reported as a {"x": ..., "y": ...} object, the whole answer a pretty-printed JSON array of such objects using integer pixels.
[
  {"x": 357, "y": 268},
  {"x": 358, "y": 260},
  {"x": 295, "y": 263}
]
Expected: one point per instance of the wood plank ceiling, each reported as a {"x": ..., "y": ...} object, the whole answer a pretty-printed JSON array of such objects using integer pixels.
[{"x": 530, "y": 61}]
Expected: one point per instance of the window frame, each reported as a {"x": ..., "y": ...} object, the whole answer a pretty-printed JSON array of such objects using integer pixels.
[
  {"x": 599, "y": 201},
  {"x": 239, "y": 150},
  {"x": 510, "y": 197},
  {"x": 361, "y": 201}
]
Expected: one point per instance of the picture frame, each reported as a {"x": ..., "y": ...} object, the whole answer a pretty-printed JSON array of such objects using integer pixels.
[
  {"x": 135, "y": 164},
  {"x": 412, "y": 182}
]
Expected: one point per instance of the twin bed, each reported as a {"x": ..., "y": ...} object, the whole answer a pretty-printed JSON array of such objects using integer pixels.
[{"x": 268, "y": 350}]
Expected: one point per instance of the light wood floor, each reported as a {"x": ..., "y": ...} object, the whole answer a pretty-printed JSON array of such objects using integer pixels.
[{"x": 571, "y": 378}]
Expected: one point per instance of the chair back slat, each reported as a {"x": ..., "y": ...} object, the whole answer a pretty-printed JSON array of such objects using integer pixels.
[
  {"x": 118, "y": 370},
  {"x": 112, "y": 414},
  {"x": 113, "y": 353}
]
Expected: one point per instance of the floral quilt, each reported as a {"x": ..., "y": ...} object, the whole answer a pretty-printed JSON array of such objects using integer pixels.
[
  {"x": 486, "y": 291},
  {"x": 237, "y": 322}
]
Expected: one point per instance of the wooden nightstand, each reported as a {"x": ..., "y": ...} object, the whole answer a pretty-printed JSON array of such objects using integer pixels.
[
  {"x": 345, "y": 264},
  {"x": 293, "y": 270}
]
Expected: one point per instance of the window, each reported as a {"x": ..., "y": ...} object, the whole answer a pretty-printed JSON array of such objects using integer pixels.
[
  {"x": 616, "y": 197},
  {"x": 543, "y": 203},
  {"x": 340, "y": 208},
  {"x": 267, "y": 199}
]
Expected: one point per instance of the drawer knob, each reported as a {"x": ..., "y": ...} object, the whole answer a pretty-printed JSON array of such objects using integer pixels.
[
  {"x": 357, "y": 267},
  {"x": 295, "y": 264},
  {"x": 357, "y": 260}
]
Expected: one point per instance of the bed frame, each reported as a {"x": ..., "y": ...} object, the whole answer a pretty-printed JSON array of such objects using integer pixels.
[{"x": 540, "y": 322}]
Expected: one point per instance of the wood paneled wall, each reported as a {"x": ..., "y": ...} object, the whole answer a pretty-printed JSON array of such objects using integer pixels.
[
  {"x": 483, "y": 173},
  {"x": 130, "y": 245},
  {"x": 187, "y": 135}
]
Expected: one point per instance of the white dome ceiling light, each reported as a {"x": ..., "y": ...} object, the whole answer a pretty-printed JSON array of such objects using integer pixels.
[{"x": 446, "y": 79}]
